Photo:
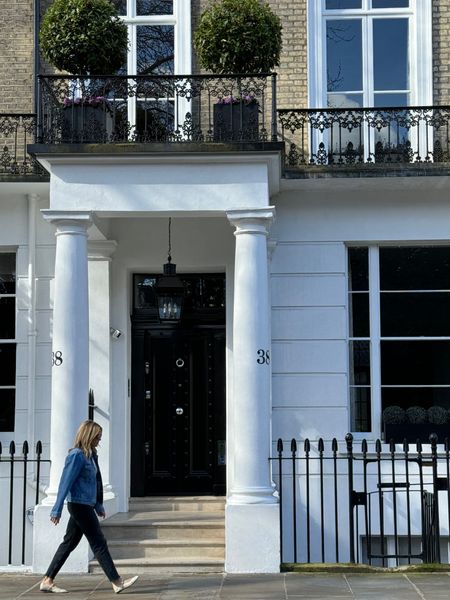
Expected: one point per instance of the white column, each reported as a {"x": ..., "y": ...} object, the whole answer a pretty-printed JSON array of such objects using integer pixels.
[
  {"x": 70, "y": 371},
  {"x": 252, "y": 517},
  {"x": 100, "y": 355}
]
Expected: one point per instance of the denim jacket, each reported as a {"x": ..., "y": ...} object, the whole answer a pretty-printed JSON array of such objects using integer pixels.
[{"x": 81, "y": 482}]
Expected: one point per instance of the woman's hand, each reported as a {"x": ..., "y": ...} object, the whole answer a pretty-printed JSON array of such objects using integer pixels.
[{"x": 55, "y": 520}]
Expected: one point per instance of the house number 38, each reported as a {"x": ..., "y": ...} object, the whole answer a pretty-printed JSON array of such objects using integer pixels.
[{"x": 263, "y": 357}]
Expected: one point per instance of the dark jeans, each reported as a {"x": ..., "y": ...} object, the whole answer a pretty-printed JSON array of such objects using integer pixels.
[{"x": 83, "y": 520}]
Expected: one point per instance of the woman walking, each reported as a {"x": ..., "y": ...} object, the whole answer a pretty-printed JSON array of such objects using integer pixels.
[{"x": 81, "y": 483}]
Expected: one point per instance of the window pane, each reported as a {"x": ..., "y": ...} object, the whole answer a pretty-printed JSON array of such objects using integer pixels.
[
  {"x": 154, "y": 120},
  {"x": 359, "y": 363},
  {"x": 7, "y": 364},
  {"x": 345, "y": 100},
  {"x": 155, "y": 50},
  {"x": 338, "y": 4},
  {"x": 406, "y": 397},
  {"x": 415, "y": 268},
  {"x": 360, "y": 409},
  {"x": 154, "y": 7},
  {"x": 7, "y": 409},
  {"x": 7, "y": 318},
  {"x": 359, "y": 315},
  {"x": 415, "y": 363},
  {"x": 358, "y": 269},
  {"x": 7, "y": 273},
  {"x": 390, "y": 54},
  {"x": 344, "y": 55},
  {"x": 390, "y": 3},
  {"x": 121, "y": 6},
  {"x": 144, "y": 293},
  {"x": 411, "y": 314},
  {"x": 395, "y": 99}
]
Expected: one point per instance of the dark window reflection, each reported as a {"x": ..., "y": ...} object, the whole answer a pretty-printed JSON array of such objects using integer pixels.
[
  {"x": 358, "y": 269},
  {"x": 390, "y": 3},
  {"x": 390, "y": 54},
  {"x": 359, "y": 363},
  {"x": 338, "y": 4},
  {"x": 415, "y": 268},
  {"x": 121, "y": 6},
  {"x": 155, "y": 50},
  {"x": 154, "y": 120},
  {"x": 415, "y": 314},
  {"x": 344, "y": 55},
  {"x": 360, "y": 409},
  {"x": 7, "y": 409},
  {"x": 7, "y": 318},
  {"x": 406, "y": 397},
  {"x": 415, "y": 363},
  {"x": 154, "y": 7},
  {"x": 7, "y": 364},
  {"x": 359, "y": 315},
  {"x": 7, "y": 273}
]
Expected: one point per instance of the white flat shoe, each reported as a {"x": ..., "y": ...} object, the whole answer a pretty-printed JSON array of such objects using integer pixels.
[
  {"x": 125, "y": 584},
  {"x": 51, "y": 589}
]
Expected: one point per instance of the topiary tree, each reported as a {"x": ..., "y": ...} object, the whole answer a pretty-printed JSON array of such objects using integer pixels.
[
  {"x": 393, "y": 415},
  {"x": 437, "y": 415},
  {"x": 238, "y": 36},
  {"x": 416, "y": 414},
  {"x": 84, "y": 37}
]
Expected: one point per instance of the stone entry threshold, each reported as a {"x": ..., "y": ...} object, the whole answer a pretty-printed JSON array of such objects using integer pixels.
[{"x": 168, "y": 535}]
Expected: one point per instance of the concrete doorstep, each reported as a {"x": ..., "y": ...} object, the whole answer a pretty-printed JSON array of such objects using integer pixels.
[{"x": 283, "y": 586}]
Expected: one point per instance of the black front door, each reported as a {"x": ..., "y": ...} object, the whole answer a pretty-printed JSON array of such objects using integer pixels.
[{"x": 182, "y": 416}]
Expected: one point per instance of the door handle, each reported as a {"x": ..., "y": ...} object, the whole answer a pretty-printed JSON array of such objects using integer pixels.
[{"x": 179, "y": 411}]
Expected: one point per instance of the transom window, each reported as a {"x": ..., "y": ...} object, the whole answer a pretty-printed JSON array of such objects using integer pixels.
[
  {"x": 7, "y": 340},
  {"x": 399, "y": 330}
]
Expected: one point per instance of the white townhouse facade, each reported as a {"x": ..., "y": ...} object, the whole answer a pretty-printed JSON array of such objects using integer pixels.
[{"x": 313, "y": 245}]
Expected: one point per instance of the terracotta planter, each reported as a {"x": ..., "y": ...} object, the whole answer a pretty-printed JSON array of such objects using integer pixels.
[
  {"x": 86, "y": 124},
  {"x": 236, "y": 122},
  {"x": 414, "y": 431}
]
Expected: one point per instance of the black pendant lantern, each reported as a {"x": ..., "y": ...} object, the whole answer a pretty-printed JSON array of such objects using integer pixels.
[{"x": 170, "y": 291}]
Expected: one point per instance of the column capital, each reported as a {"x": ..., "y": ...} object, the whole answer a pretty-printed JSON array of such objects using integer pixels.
[
  {"x": 59, "y": 218},
  {"x": 253, "y": 220},
  {"x": 101, "y": 249}
]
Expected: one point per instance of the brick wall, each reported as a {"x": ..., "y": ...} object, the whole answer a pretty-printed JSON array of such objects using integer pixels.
[
  {"x": 16, "y": 56},
  {"x": 441, "y": 51}
]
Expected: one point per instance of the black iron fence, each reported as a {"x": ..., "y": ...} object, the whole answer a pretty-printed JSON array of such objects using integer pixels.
[
  {"x": 347, "y": 503},
  {"x": 16, "y": 131},
  {"x": 15, "y": 467},
  {"x": 365, "y": 136},
  {"x": 159, "y": 108}
]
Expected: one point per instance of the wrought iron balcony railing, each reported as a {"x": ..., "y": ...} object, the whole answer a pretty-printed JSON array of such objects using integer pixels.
[
  {"x": 365, "y": 136},
  {"x": 16, "y": 131},
  {"x": 162, "y": 108}
]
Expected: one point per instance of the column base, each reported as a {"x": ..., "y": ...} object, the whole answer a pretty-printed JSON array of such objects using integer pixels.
[
  {"x": 252, "y": 534},
  {"x": 46, "y": 539}
]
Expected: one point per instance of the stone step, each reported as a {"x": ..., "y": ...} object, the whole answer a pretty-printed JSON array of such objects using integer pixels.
[
  {"x": 138, "y": 566},
  {"x": 178, "y": 503},
  {"x": 194, "y": 550}
]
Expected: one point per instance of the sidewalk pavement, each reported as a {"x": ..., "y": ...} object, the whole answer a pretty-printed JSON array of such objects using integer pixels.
[{"x": 285, "y": 586}]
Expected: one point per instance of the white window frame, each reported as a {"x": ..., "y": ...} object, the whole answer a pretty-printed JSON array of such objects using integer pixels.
[
  {"x": 180, "y": 19},
  {"x": 420, "y": 50}
]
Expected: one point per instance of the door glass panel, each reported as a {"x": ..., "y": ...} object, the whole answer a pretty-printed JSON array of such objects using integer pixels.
[
  {"x": 154, "y": 119},
  {"x": 154, "y": 7},
  {"x": 360, "y": 408},
  {"x": 359, "y": 315},
  {"x": 7, "y": 273},
  {"x": 415, "y": 362},
  {"x": 415, "y": 314},
  {"x": 358, "y": 267},
  {"x": 406, "y": 268},
  {"x": 339, "y": 4},
  {"x": 155, "y": 50},
  {"x": 345, "y": 100},
  {"x": 390, "y": 3},
  {"x": 344, "y": 55},
  {"x": 360, "y": 363},
  {"x": 390, "y": 54},
  {"x": 394, "y": 100}
]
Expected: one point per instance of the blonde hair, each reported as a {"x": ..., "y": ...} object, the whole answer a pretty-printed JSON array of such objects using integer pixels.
[{"x": 87, "y": 432}]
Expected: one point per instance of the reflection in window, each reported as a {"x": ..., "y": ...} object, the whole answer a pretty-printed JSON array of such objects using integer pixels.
[
  {"x": 7, "y": 340},
  {"x": 390, "y": 54},
  {"x": 344, "y": 55},
  {"x": 338, "y": 4},
  {"x": 154, "y": 7},
  {"x": 155, "y": 50},
  {"x": 390, "y": 3}
]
